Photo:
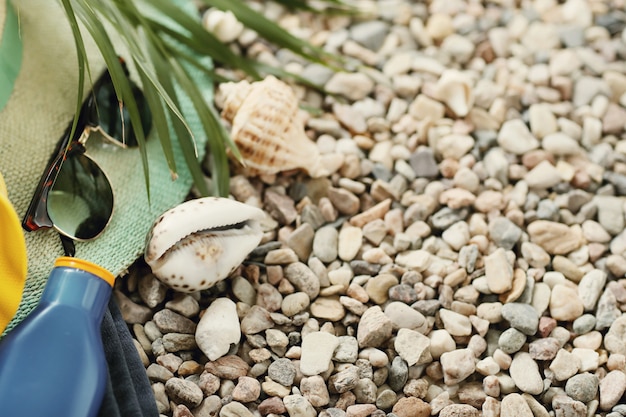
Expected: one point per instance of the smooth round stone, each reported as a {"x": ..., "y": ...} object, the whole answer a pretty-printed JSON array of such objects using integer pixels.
[
  {"x": 504, "y": 232},
  {"x": 582, "y": 387},
  {"x": 170, "y": 322},
  {"x": 565, "y": 305},
  {"x": 498, "y": 271},
  {"x": 403, "y": 293},
  {"x": 522, "y": 317},
  {"x": 303, "y": 278},
  {"x": 514, "y": 405},
  {"x": 515, "y": 137},
  {"x": 325, "y": 243},
  {"x": 295, "y": 303},
  {"x": 590, "y": 287},
  {"x": 456, "y": 235},
  {"x": 525, "y": 373},
  {"x": 248, "y": 389},
  {"x": 282, "y": 371},
  {"x": 542, "y": 120},
  {"x": 370, "y": 34},
  {"x": 615, "y": 339},
  {"x": 350, "y": 239},
  {"x": 403, "y": 316},
  {"x": 511, "y": 340},
  {"x": 184, "y": 391},
  {"x": 386, "y": 398},
  {"x": 398, "y": 373},
  {"x": 327, "y": 308},
  {"x": 591, "y": 340},
  {"x": 555, "y": 238},
  {"x": 543, "y": 349},
  {"x": 376, "y": 357},
  {"x": 560, "y": 144},
  {"x": 378, "y": 287},
  {"x": 612, "y": 388}
]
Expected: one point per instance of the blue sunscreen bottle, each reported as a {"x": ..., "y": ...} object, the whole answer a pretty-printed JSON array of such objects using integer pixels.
[{"x": 52, "y": 364}]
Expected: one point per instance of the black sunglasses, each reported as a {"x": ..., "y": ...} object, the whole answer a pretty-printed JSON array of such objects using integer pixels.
[{"x": 74, "y": 195}]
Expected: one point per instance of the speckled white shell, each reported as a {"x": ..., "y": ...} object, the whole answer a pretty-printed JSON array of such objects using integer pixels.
[
  {"x": 266, "y": 127},
  {"x": 200, "y": 242}
]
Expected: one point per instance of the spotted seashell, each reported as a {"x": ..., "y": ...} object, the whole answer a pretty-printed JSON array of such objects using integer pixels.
[
  {"x": 200, "y": 242},
  {"x": 266, "y": 127}
]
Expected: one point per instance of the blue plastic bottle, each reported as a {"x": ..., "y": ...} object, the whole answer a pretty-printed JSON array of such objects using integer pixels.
[{"x": 52, "y": 364}]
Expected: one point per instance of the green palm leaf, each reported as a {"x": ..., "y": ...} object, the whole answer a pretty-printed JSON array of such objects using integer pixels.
[{"x": 164, "y": 41}]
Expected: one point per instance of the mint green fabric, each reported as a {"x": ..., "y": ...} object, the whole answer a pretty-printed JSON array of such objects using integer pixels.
[
  {"x": 40, "y": 108},
  {"x": 10, "y": 54}
]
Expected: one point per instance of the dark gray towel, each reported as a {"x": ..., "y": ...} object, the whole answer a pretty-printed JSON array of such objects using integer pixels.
[{"x": 128, "y": 392}]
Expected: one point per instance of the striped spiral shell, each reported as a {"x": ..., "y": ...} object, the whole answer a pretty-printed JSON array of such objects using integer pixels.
[{"x": 266, "y": 127}]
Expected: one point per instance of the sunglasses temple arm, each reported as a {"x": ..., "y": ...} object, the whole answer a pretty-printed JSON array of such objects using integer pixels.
[{"x": 68, "y": 245}]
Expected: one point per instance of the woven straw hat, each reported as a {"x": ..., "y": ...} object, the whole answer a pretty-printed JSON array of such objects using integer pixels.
[{"x": 35, "y": 115}]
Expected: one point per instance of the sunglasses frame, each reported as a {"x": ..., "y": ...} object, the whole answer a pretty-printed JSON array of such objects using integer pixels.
[{"x": 37, "y": 215}]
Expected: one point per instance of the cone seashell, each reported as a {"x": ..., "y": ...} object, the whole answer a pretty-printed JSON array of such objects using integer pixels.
[
  {"x": 200, "y": 242},
  {"x": 454, "y": 89},
  {"x": 266, "y": 127}
]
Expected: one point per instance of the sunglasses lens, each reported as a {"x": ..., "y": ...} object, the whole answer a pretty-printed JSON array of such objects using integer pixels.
[
  {"x": 120, "y": 128},
  {"x": 80, "y": 203}
]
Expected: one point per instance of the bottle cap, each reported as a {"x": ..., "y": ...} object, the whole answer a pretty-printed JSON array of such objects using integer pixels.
[{"x": 87, "y": 266}]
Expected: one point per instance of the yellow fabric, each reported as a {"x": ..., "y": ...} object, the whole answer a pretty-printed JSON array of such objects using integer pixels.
[{"x": 12, "y": 259}]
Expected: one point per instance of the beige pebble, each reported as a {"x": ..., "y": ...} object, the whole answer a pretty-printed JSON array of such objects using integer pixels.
[
  {"x": 498, "y": 271},
  {"x": 514, "y": 405},
  {"x": 525, "y": 373},
  {"x": 555, "y": 238},
  {"x": 565, "y": 304},
  {"x": 327, "y": 308},
  {"x": 589, "y": 359},
  {"x": 457, "y": 365},
  {"x": 456, "y": 198},
  {"x": 542, "y": 176},
  {"x": 349, "y": 242},
  {"x": 535, "y": 255},
  {"x": 591, "y": 340},
  {"x": 413, "y": 347},
  {"x": 456, "y": 324},
  {"x": 492, "y": 312},
  {"x": 375, "y": 212},
  {"x": 377, "y": 288},
  {"x": 542, "y": 120},
  {"x": 438, "y": 26},
  {"x": 440, "y": 342},
  {"x": 612, "y": 388},
  {"x": 374, "y": 328}
]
